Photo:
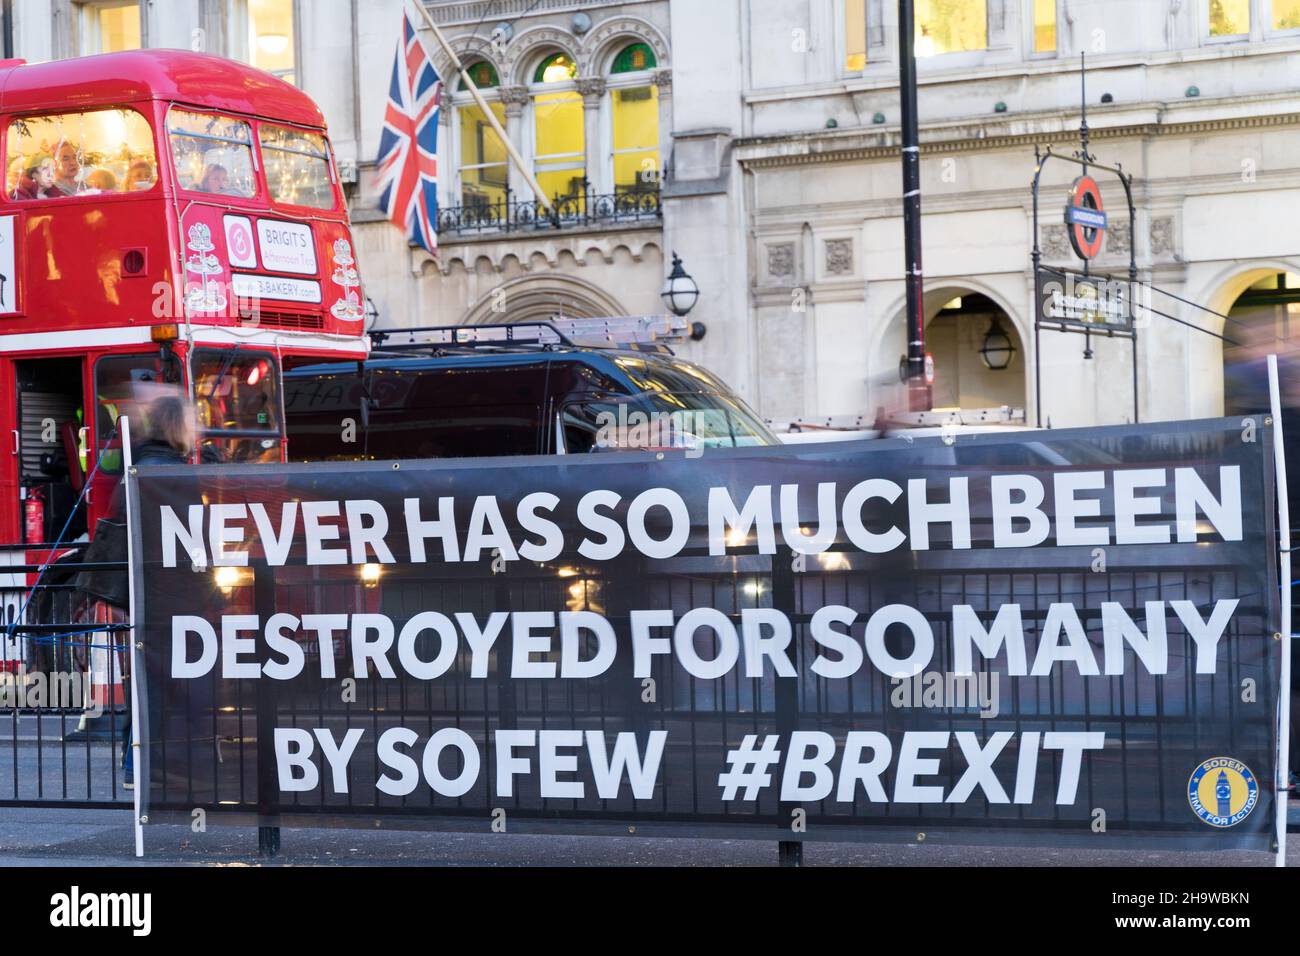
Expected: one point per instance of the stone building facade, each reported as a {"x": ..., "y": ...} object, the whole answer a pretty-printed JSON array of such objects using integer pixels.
[{"x": 758, "y": 139}]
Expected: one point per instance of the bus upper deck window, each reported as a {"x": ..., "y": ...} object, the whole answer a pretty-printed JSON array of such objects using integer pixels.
[
  {"x": 213, "y": 154},
  {"x": 80, "y": 154},
  {"x": 297, "y": 166}
]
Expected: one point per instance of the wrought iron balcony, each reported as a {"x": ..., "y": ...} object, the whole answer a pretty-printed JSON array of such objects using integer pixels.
[{"x": 586, "y": 208}]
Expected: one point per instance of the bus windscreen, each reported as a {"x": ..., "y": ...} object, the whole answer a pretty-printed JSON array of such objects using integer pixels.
[
  {"x": 213, "y": 154},
  {"x": 297, "y": 167}
]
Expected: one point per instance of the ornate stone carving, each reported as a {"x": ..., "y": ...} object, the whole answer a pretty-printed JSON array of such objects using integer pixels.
[
  {"x": 1119, "y": 238},
  {"x": 592, "y": 89},
  {"x": 530, "y": 40},
  {"x": 634, "y": 28},
  {"x": 664, "y": 80},
  {"x": 1162, "y": 236},
  {"x": 513, "y": 95},
  {"x": 514, "y": 98},
  {"x": 1054, "y": 241},
  {"x": 780, "y": 260},
  {"x": 839, "y": 257}
]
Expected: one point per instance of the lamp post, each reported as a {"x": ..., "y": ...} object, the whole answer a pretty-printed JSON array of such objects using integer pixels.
[
  {"x": 680, "y": 295},
  {"x": 918, "y": 392}
]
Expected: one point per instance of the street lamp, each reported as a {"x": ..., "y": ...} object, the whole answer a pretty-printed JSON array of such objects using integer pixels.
[
  {"x": 997, "y": 350},
  {"x": 680, "y": 291}
]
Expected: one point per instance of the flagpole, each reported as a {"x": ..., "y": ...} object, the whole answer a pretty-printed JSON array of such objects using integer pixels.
[{"x": 487, "y": 110}]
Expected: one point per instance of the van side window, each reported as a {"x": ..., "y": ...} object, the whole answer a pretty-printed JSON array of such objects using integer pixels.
[
  {"x": 325, "y": 415},
  {"x": 460, "y": 413}
]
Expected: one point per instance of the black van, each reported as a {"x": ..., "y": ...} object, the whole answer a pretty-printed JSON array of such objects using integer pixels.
[{"x": 523, "y": 389}]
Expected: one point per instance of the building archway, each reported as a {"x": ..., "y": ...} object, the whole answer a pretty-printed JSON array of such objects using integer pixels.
[
  {"x": 979, "y": 356},
  {"x": 537, "y": 299},
  {"x": 1265, "y": 318}
]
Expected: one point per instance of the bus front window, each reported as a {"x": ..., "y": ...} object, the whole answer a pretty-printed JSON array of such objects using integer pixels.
[
  {"x": 297, "y": 167},
  {"x": 213, "y": 154},
  {"x": 238, "y": 405}
]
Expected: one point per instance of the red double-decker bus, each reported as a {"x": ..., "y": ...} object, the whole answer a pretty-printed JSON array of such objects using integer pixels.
[{"x": 167, "y": 217}]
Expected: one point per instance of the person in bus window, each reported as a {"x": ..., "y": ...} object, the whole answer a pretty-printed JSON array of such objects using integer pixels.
[
  {"x": 67, "y": 168},
  {"x": 101, "y": 181},
  {"x": 139, "y": 176},
  {"x": 216, "y": 179},
  {"x": 38, "y": 181}
]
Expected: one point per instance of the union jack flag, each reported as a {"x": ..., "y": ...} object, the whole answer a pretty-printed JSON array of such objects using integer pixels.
[{"x": 408, "y": 148}]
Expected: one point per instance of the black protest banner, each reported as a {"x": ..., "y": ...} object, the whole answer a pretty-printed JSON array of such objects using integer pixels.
[{"x": 1049, "y": 636}]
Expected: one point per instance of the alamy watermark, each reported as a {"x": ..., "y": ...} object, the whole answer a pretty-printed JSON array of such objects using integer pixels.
[
  {"x": 22, "y": 689},
  {"x": 948, "y": 691},
  {"x": 652, "y": 431}
]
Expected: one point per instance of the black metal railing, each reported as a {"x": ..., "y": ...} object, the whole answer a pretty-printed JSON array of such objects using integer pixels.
[
  {"x": 583, "y": 208},
  {"x": 64, "y": 690}
]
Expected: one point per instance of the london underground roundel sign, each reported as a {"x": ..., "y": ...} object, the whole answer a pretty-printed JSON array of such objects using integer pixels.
[{"x": 1085, "y": 218}]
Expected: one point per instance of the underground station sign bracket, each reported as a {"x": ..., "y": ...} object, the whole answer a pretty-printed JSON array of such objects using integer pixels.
[{"x": 848, "y": 641}]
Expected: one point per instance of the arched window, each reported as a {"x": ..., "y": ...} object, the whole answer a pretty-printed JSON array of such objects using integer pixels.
[
  {"x": 484, "y": 75},
  {"x": 481, "y": 163},
  {"x": 635, "y": 110},
  {"x": 634, "y": 59},
  {"x": 559, "y": 141},
  {"x": 483, "y": 168},
  {"x": 556, "y": 68}
]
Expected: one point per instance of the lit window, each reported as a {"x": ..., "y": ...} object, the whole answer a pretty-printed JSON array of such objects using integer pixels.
[
  {"x": 855, "y": 35},
  {"x": 1044, "y": 26},
  {"x": 297, "y": 167},
  {"x": 560, "y": 141},
  {"x": 80, "y": 154},
  {"x": 951, "y": 26},
  {"x": 1229, "y": 18},
  {"x": 484, "y": 172},
  {"x": 110, "y": 27},
  {"x": 270, "y": 37},
  {"x": 1286, "y": 14},
  {"x": 556, "y": 68},
  {"x": 213, "y": 154},
  {"x": 636, "y": 124}
]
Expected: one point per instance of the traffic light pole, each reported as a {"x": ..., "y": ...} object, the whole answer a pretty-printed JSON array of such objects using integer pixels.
[{"x": 918, "y": 392}]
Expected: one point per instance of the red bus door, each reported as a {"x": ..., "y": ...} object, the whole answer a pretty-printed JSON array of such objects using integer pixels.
[
  {"x": 50, "y": 404},
  {"x": 10, "y": 451}
]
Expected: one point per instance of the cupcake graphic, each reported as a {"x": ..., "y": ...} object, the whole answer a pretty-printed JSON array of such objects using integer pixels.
[
  {"x": 205, "y": 295},
  {"x": 345, "y": 274}
]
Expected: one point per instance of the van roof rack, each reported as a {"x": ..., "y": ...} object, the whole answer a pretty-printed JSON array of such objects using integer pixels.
[{"x": 649, "y": 333}]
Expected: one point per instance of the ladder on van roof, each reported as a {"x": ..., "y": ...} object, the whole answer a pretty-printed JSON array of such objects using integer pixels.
[{"x": 641, "y": 332}]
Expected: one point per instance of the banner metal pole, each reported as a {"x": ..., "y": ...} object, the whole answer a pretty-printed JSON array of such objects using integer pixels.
[
  {"x": 124, "y": 424},
  {"x": 1284, "y": 573}
]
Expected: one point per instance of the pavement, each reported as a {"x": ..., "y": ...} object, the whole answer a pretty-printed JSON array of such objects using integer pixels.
[
  {"x": 61, "y": 837},
  {"x": 94, "y": 838}
]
